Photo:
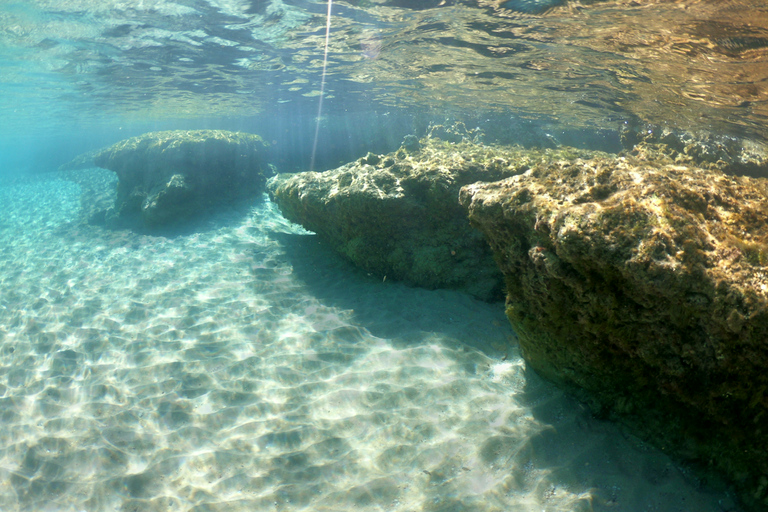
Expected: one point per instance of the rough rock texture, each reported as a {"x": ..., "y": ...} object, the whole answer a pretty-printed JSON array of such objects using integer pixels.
[
  {"x": 743, "y": 157},
  {"x": 397, "y": 216},
  {"x": 644, "y": 283},
  {"x": 166, "y": 177}
]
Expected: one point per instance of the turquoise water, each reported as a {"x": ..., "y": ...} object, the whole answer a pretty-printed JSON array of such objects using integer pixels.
[
  {"x": 242, "y": 366},
  {"x": 238, "y": 364}
]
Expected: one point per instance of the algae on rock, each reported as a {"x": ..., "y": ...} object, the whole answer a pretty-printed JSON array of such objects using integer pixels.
[
  {"x": 397, "y": 215},
  {"x": 733, "y": 155},
  {"x": 643, "y": 283},
  {"x": 167, "y": 177}
]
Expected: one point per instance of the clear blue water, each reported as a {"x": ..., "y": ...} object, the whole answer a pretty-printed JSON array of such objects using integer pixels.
[{"x": 240, "y": 365}]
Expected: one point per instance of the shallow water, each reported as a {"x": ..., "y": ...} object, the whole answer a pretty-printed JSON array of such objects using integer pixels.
[{"x": 242, "y": 366}]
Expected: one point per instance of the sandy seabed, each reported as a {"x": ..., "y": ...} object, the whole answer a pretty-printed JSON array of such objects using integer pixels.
[{"x": 241, "y": 366}]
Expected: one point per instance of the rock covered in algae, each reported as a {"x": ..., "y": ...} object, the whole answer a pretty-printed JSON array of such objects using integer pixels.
[
  {"x": 733, "y": 155},
  {"x": 166, "y": 177},
  {"x": 644, "y": 283},
  {"x": 398, "y": 216}
]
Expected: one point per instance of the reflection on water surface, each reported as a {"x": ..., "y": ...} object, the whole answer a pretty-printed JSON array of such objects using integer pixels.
[{"x": 696, "y": 64}]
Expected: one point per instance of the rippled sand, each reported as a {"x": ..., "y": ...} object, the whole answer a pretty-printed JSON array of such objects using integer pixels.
[{"x": 240, "y": 366}]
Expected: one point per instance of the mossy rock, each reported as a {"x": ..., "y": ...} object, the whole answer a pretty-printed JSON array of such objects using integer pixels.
[
  {"x": 168, "y": 177},
  {"x": 397, "y": 215},
  {"x": 732, "y": 155},
  {"x": 641, "y": 284}
]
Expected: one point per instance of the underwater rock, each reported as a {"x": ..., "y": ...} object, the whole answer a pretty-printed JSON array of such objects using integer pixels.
[
  {"x": 397, "y": 215},
  {"x": 82, "y": 161},
  {"x": 733, "y": 155},
  {"x": 643, "y": 286},
  {"x": 167, "y": 177}
]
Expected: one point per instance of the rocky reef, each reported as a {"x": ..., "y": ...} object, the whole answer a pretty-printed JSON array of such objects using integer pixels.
[
  {"x": 167, "y": 177},
  {"x": 642, "y": 284},
  {"x": 730, "y": 154},
  {"x": 397, "y": 216}
]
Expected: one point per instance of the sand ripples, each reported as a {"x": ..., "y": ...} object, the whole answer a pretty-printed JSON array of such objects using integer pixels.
[{"x": 242, "y": 367}]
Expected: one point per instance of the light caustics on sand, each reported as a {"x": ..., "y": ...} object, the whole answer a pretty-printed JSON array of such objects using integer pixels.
[{"x": 322, "y": 85}]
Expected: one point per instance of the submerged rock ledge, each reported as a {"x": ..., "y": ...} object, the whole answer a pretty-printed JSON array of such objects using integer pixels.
[
  {"x": 397, "y": 216},
  {"x": 167, "y": 177},
  {"x": 732, "y": 155},
  {"x": 644, "y": 283}
]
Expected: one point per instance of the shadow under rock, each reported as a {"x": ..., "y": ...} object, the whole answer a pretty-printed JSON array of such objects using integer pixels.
[
  {"x": 388, "y": 309},
  {"x": 620, "y": 470},
  {"x": 574, "y": 449},
  {"x": 216, "y": 217},
  {"x": 98, "y": 193}
]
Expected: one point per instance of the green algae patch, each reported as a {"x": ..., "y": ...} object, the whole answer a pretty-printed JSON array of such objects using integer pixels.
[{"x": 638, "y": 282}]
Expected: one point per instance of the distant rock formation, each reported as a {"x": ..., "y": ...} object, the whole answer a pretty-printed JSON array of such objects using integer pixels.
[
  {"x": 732, "y": 155},
  {"x": 82, "y": 161},
  {"x": 644, "y": 281},
  {"x": 398, "y": 217},
  {"x": 167, "y": 177}
]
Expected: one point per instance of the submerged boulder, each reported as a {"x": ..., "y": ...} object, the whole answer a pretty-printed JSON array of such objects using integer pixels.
[
  {"x": 645, "y": 284},
  {"x": 397, "y": 216},
  {"x": 166, "y": 177}
]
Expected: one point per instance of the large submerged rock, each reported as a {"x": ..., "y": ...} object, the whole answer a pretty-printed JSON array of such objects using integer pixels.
[
  {"x": 398, "y": 216},
  {"x": 645, "y": 283},
  {"x": 167, "y": 177}
]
